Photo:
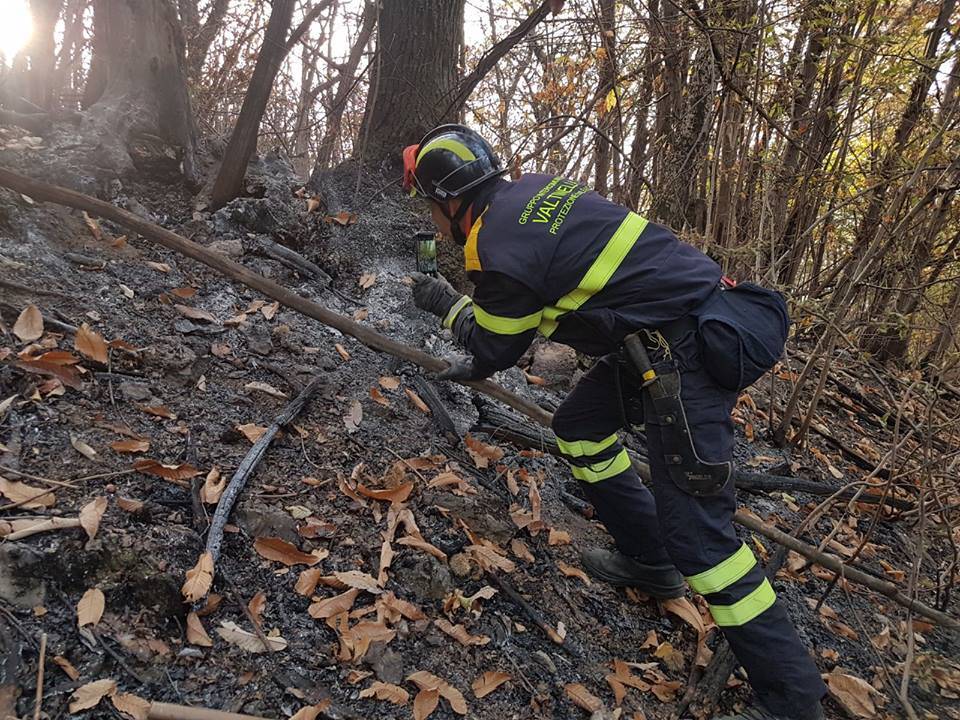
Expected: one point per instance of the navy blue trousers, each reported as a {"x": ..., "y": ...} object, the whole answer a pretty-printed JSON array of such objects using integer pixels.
[{"x": 696, "y": 534}]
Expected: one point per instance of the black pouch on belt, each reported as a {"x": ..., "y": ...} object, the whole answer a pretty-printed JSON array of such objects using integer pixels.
[{"x": 661, "y": 400}]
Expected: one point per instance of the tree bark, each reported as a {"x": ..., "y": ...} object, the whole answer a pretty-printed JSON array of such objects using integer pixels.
[
  {"x": 243, "y": 141},
  {"x": 45, "y": 15},
  {"x": 414, "y": 74}
]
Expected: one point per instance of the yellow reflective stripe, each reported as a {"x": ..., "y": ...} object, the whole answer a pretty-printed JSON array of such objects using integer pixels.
[
  {"x": 580, "y": 448},
  {"x": 505, "y": 325},
  {"x": 599, "y": 273},
  {"x": 455, "y": 310},
  {"x": 471, "y": 256},
  {"x": 724, "y": 574},
  {"x": 454, "y": 146},
  {"x": 745, "y": 610},
  {"x": 602, "y": 470}
]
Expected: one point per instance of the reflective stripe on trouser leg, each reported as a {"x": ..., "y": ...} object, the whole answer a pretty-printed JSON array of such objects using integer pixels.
[{"x": 699, "y": 535}]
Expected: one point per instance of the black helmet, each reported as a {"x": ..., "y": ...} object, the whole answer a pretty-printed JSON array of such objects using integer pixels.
[{"x": 448, "y": 162}]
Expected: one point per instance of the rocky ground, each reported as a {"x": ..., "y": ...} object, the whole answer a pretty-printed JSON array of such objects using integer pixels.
[{"x": 368, "y": 548}]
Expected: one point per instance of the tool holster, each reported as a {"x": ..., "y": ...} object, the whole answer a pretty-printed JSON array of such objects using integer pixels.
[{"x": 663, "y": 407}]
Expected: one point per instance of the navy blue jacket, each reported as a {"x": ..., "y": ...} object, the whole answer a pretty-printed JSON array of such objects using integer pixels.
[{"x": 550, "y": 255}]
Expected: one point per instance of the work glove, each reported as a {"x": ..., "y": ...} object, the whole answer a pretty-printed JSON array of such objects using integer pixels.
[
  {"x": 462, "y": 368},
  {"x": 433, "y": 294}
]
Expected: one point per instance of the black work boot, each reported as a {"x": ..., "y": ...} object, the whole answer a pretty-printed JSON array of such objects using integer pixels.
[
  {"x": 758, "y": 712},
  {"x": 661, "y": 580}
]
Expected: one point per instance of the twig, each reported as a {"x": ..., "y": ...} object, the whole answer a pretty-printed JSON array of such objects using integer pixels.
[
  {"x": 246, "y": 611},
  {"x": 55, "y": 523},
  {"x": 249, "y": 464},
  {"x": 38, "y": 704},
  {"x": 531, "y": 612},
  {"x": 17, "y": 287}
]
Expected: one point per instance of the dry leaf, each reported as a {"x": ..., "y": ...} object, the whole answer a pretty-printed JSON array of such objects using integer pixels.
[
  {"x": 158, "y": 411},
  {"x": 252, "y": 431},
  {"x": 853, "y": 694},
  {"x": 196, "y": 633},
  {"x": 354, "y": 417},
  {"x": 388, "y": 382},
  {"x": 460, "y": 634},
  {"x": 312, "y": 204},
  {"x": 581, "y": 697},
  {"x": 558, "y": 537},
  {"x": 311, "y": 712},
  {"x": 367, "y": 280},
  {"x": 395, "y": 495},
  {"x": 671, "y": 657},
  {"x": 265, "y": 388},
  {"x": 685, "y": 610},
  {"x": 199, "y": 578},
  {"x": 158, "y": 266},
  {"x": 194, "y": 313},
  {"x": 81, "y": 447},
  {"x": 571, "y": 571},
  {"x": 417, "y": 401},
  {"x": 421, "y": 544},
  {"x": 284, "y": 552},
  {"x": 248, "y": 641},
  {"x": 666, "y": 691},
  {"x": 308, "y": 581},
  {"x": 90, "y": 344},
  {"x": 90, "y": 695},
  {"x": 90, "y": 608},
  {"x": 184, "y": 292},
  {"x": 213, "y": 487},
  {"x": 94, "y": 227},
  {"x": 521, "y": 550},
  {"x": 482, "y": 453},
  {"x": 331, "y": 607},
  {"x": 67, "y": 667},
  {"x": 386, "y": 691},
  {"x": 342, "y": 351},
  {"x": 378, "y": 396},
  {"x": 29, "y": 324},
  {"x": 270, "y": 310},
  {"x": 129, "y": 505},
  {"x": 27, "y": 496},
  {"x": 130, "y": 446},
  {"x": 428, "y": 681},
  {"x": 91, "y": 514},
  {"x": 175, "y": 473},
  {"x": 425, "y": 703},
  {"x": 131, "y": 705},
  {"x": 342, "y": 218},
  {"x": 488, "y": 682},
  {"x": 403, "y": 607},
  {"x": 359, "y": 580},
  {"x": 256, "y": 606}
]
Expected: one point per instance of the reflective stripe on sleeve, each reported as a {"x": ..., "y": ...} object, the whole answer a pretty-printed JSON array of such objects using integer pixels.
[
  {"x": 724, "y": 574},
  {"x": 599, "y": 274},
  {"x": 455, "y": 310},
  {"x": 745, "y": 610},
  {"x": 581, "y": 448},
  {"x": 602, "y": 470},
  {"x": 505, "y": 325}
]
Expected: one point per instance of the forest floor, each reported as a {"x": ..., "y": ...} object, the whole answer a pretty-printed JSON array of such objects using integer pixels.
[{"x": 360, "y": 498}]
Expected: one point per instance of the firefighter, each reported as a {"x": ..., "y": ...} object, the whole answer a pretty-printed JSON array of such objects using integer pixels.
[{"x": 677, "y": 342}]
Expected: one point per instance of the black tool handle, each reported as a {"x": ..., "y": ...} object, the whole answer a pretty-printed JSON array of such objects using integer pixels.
[{"x": 638, "y": 356}]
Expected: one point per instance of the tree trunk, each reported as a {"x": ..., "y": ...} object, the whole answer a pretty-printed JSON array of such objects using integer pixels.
[
  {"x": 200, "y": 37},
  {"x": 41, "y": 50},
  {"x": 243, "y": 141},
  {"x": 138, "y": 86},
  {"x": 414, "y": 75}
]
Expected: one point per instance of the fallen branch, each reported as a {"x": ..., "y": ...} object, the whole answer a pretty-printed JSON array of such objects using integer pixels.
[
  {"x": 249, "y": 464},
  {"x": 884, "y": 587},
  {"x": 438, "y": 412},
  {"x": 531, "y": 612},
  {"x": 44, "y": 192},
  {"x": 38, "y": 123},
  {"x": 295, "y": 261},
  {"x": 168, "y": 711}
]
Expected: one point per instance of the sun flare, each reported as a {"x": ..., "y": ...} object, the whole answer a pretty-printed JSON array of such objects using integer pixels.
[{"x": 15, "y": 28}]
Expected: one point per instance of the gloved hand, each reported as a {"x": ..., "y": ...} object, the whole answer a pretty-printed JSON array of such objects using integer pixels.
[
  {"x": 461, "y": 368},
  {"x": 433, "y": 294}
]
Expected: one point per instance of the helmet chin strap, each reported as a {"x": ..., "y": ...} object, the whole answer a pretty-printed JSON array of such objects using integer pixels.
[{"x": 456, "y": 232}]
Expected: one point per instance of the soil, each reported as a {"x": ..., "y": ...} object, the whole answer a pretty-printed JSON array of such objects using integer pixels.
[{"x": 123, "y": 286}]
